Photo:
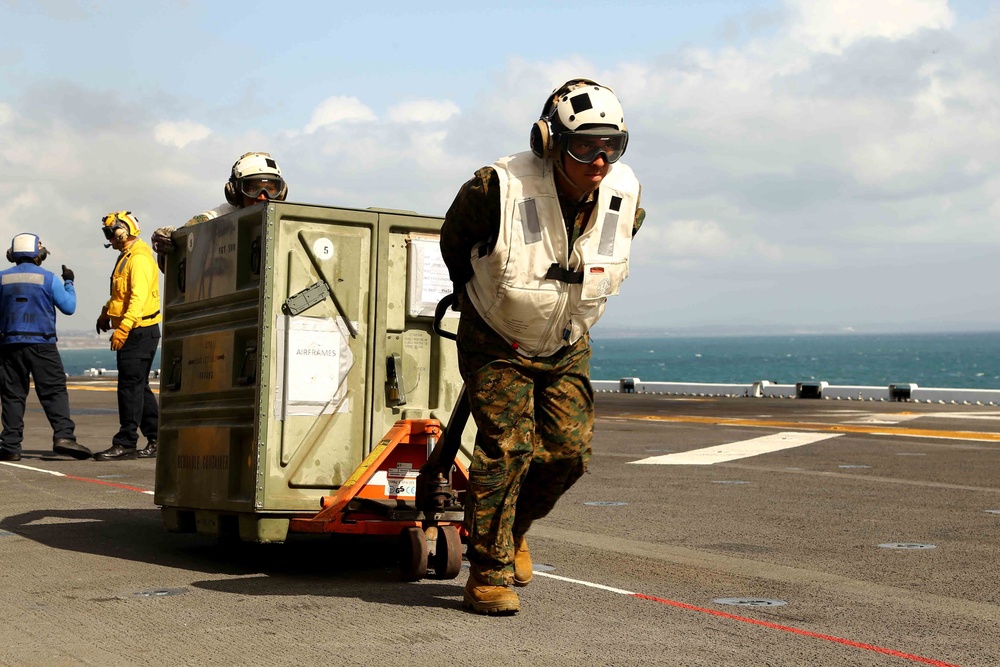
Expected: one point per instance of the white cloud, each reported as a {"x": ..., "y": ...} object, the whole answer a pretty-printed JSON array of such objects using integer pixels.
[
  {"x": 180, "y": 134},
  {"x": 700, "y": 238},
  {"x": 832, "y": 26},
  {"x": 422, "y": 111},
  {"x": 339, "y": 109},
  {"x": 11, "y": 207},
  {"x": 760, "y": 162}
]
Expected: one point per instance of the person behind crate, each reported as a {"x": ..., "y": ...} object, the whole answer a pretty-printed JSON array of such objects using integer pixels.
[
  {"x": 132, "y": 314},
  {"x": 29, "y": 298},
  {"x": 535, "y": 243},
  {"x": 255, "y": 177}
]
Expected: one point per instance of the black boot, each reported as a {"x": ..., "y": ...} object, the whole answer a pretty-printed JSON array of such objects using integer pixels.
[
  {"x": 67, "y": 447},
  {"x": 149, "y": 451},
  {"x": 116, "y": 453},
  {"x": 7, "y": 455}
]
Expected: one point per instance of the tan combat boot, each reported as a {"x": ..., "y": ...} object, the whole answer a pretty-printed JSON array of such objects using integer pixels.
[
  {"x": 486, "y": 599},
  {"x": 522, "y": 562}
]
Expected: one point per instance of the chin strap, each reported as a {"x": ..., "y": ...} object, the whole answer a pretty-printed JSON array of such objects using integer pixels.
[{"x": 562, "y": 178}]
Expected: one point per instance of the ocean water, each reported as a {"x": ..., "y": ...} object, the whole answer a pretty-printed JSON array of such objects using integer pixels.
[
  {"x": 78, "y": 361},
  {"x": 961, "y": 360}
]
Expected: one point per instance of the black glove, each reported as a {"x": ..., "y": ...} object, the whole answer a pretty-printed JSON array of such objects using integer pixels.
[{"x": 67, "y": 274}]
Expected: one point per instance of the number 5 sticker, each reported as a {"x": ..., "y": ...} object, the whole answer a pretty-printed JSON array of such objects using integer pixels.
[{"x": 323, "y": 249}]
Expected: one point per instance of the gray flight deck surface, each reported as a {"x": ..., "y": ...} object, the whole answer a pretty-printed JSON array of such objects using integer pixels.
[{"x": 640, "y": 555}]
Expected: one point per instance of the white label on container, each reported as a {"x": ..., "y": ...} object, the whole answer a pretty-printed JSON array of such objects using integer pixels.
[{"x": 323, "y": 249}]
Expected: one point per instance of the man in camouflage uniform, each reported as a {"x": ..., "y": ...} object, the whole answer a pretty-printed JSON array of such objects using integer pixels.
[{"x": 534, "y": 244}]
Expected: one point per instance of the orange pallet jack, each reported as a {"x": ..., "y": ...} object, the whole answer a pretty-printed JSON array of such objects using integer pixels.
[{"x": 430, "y": 529}]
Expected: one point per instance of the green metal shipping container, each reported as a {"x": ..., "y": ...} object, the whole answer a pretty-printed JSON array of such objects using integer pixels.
[{"x": 294, "y": 337}]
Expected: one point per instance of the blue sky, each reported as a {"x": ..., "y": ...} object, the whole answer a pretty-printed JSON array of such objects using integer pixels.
[{"x": 807, "y": 165}]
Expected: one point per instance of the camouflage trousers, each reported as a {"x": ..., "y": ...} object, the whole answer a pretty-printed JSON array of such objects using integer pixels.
[{"x": 534, "y": 420}]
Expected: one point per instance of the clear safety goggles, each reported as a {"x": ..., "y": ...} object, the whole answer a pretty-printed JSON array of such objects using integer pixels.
[
  {"x": 585, "y": 148},
  {"x": 253, "y": 186}
]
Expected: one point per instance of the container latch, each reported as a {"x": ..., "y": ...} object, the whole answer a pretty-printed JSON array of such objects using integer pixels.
[{"x": 394, "y": 394}]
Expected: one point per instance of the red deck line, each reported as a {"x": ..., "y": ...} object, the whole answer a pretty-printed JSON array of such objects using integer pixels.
[
  {"x": 681, "y": 605},
  {"x": 101, "y": 481},
  {"x": 798, "y": 631}
]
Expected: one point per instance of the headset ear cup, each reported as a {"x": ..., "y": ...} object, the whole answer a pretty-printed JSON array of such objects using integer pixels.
[
  {"x": 541, "y": 139},
  {"x": 10, "y": 256},
  {"x": 230, "y": 191}
]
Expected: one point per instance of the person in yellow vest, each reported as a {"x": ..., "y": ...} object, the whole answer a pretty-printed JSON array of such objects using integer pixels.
[
  {"x": 535, "y": 244},
  {"x": 132, "y": 314}
]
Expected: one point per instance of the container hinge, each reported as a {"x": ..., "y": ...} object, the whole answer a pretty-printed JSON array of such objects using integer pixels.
[
  {"x": 255, "y": 256},
  {"x": 394, "y": 394},
  {"x": 182, "y": 276},
  {"x": 173, "y": 382},
  {"x": 248, "y": 369}
]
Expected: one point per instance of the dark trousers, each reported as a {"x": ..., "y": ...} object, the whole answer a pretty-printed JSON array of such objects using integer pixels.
[
  {"x": 137, "y": 407},
  {"x": 19, "y": 362}
]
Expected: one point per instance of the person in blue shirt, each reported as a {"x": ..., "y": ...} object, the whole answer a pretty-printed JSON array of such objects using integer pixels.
[{"x": 29, "y": 297}]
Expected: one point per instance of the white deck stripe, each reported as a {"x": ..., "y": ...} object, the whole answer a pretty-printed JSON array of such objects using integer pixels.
[
  {"x": 60, "y": 474},
  {"x": 739, "y": 450},
  {"x": 583, "y": 583},
  {"x": 21, "y": 465}
]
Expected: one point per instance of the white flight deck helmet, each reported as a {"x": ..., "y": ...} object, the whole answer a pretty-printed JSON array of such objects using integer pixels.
[
  {"x": 26, "y": 246},
  {"x": 252, "y": 174},
  {"x": 580, "y": 107}
]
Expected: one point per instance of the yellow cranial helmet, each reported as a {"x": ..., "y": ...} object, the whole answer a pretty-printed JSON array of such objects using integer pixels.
[{"x": 120, "y": 225}]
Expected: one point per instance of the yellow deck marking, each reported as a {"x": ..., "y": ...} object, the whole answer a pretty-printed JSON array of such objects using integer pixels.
[
  {"x": 832, "y": 428},
  {"x": 90, "y": 387}
]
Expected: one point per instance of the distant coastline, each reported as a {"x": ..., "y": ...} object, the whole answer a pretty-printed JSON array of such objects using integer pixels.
[
  {"x": 729, "y": 331},
  {"x": 92, "y": 342},
  {"x": 968, "y": 359},
  {"x": 89, "y": 340}
]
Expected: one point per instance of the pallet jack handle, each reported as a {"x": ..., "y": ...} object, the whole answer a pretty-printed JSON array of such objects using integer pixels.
[
  {"x": 434, "y": 492},
  {"x": 439, "y": 311}
]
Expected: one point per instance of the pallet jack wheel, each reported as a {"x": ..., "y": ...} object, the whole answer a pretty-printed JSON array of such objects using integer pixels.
[
  {"x": 412, "y": 554},
  {"x": 447, "y": 558}
]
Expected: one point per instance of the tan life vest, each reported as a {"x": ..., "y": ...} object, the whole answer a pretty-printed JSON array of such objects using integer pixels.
[{"x": 531, "y": 288}]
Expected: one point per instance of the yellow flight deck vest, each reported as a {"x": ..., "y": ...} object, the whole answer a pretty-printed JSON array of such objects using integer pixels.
[
  {"x": 135, "y": 288},
  {"x": 531, "y": 288}
]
